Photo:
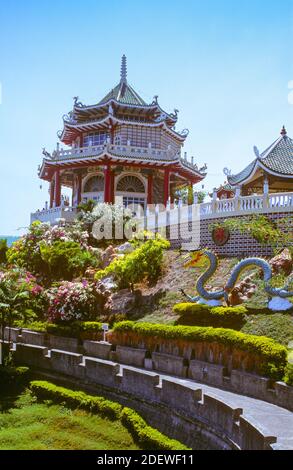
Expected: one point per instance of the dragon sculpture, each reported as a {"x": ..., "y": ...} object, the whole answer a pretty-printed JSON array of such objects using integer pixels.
[{"x": 282, "y": 293}]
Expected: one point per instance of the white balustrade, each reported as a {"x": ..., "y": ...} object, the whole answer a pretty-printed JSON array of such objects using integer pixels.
[{"x": 242, "y": 205}]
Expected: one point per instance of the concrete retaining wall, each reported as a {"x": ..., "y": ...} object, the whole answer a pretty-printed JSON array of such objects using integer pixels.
[
  {"x": 191, "y": 406},
  {"x": 205, "y": 372},
  {"x": 97, "y": 349},
  {"x": 33, "y": 337},
  {"x": 130, "y": 356},
  {"x": 173, "y": 365},
  {"x": 63, "y": 344}
]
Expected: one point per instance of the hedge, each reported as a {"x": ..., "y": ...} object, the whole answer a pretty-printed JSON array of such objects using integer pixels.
[
  {"x": 145, "y": 435},
  {"x": 73, "y": 330},
  {"x": 204, "y": 315},
  {"x": 273, "y": 355}
]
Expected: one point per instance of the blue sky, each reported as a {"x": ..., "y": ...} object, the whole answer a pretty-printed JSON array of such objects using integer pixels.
[{"x": 224, "y": 65}]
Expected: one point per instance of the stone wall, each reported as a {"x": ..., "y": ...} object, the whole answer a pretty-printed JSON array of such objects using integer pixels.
[
  {"x": 189, "y": 411},
  {"x": 239, "y": 245},
  {"x": 207, "y": 372}
]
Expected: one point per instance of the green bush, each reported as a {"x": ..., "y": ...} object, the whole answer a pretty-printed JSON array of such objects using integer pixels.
[
  {"x": 3, "y": 250},
  {"x": 65, "y": 259},
  {"x": 143, "y": 263},
  {"x": 204, "y": 315},
  {"x": 288, "y": 378},
  {"x": 145, "y": 435},
  {"x": 272, "y": 354}
]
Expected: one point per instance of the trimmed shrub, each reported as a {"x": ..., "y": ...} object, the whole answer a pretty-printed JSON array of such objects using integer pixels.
[
  {"x": 273, "y": 356},
  {"x": 204, "y": 315},
  {"x": 47, "y": 391},
  {"x": 75, "y": 329},
  {"x": 145, "y": 435}
]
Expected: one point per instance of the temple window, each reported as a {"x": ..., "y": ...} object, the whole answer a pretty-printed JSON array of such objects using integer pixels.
[
  {"x": 95, "y": 138},
  {"x": 93, "y": 184}
]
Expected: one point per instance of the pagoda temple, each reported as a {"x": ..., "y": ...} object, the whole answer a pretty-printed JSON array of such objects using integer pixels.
[
  {"x": 120, "y": 147},
  {"x": 270, "y": 172}
]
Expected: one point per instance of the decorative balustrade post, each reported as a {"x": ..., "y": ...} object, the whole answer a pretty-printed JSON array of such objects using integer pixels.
[
  {"x": 266, "y": 193},
  {"x": 237, "y": 199},
  {"x": 214, "y": 202},
  {"x": 166, "y": 185}
]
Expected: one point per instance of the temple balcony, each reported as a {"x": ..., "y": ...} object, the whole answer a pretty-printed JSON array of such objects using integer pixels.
[
  {"x": 119, "y": 150},
  {"x": 238, "y": 206}
]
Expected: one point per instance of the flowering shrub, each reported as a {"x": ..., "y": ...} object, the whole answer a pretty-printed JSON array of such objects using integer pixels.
[
  {"x": 54, "y": 252},
  {"x": 75, "y": 301},
  {"x": 21, "y": 296}
]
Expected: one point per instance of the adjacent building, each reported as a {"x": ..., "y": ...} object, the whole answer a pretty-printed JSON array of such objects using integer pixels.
[{"x": 270, "y": 172}]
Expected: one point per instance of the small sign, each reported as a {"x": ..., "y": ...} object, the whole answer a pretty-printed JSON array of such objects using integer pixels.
[{"x": 105, "y": 327}]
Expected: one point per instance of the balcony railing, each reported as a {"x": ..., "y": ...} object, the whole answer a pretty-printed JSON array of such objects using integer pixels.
[
  {"x": 243, "y": 205},
  {"x": 54, "y": 215},
  {"x": 127, "y": 150}
]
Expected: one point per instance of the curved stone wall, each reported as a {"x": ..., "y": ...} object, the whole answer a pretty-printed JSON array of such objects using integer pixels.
[{"x": 175, "y": 409}]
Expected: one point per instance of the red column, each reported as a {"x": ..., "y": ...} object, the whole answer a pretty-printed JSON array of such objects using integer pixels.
[
  {"x": 112, "y": 187},
  {"x": 51, "y": 193},
  {"x": 57, "y": 198},
  {"x": 79, "y": 181},
  {"x": 150, "y": 188},
  {"x": 107, "y": 187},
  {"x": 166, "y": 186}
]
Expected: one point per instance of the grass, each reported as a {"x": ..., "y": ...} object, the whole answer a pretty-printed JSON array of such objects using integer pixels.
[
  {"x": 34, "y": 426},
  {"x": 278, "y": 326}
]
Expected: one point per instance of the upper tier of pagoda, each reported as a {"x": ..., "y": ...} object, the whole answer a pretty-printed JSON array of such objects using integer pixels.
[{"x": 122, "y": 105}]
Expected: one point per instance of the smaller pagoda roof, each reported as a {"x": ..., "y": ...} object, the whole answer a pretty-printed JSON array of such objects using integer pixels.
[
  {"x": 224, "y": 188},
  {"x": 277, "y": 160}
]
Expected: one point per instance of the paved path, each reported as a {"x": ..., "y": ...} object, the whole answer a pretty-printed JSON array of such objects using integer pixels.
[{"x": 271, "y": 419}]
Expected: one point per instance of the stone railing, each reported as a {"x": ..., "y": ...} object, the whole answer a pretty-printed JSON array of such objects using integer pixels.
[
  {"x": 234, "y": 380},
  {"x": 54, "y": 215},
  {"x": 158, "y": 216}
]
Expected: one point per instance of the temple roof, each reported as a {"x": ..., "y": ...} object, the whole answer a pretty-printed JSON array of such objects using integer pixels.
[
  {"x": 124, "y": 93},
  {"x": 277, "y": 160}
]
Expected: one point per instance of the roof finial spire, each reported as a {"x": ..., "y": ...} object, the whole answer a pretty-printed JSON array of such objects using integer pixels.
[
  {"x": 123, "y": 69},
  {"x": 283, "y": 131}
]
